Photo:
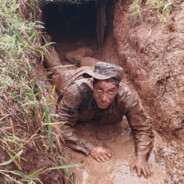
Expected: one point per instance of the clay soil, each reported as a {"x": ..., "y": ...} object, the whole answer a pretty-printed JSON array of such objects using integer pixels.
[{"x": 151, "y": 53}]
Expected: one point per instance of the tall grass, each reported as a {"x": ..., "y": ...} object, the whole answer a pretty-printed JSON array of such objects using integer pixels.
[{"x": 25, "y": 107}]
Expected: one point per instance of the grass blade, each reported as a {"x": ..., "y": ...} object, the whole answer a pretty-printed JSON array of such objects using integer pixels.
[
  {"x": 12, "y": 159},
  {"x": 64, "y": 166},
  {"x": 35, "y": 172}
]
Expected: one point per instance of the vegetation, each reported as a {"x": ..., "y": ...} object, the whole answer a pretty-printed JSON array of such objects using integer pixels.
[
  {"x": 160, "y": 8},
  {"x": 25, "y": 106}
]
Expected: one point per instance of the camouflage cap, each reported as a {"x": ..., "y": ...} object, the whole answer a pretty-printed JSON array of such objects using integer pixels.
[{"x": 103, "y": 71}]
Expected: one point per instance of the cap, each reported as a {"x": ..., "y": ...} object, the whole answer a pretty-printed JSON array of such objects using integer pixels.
[{"x": 103, "y": 71}]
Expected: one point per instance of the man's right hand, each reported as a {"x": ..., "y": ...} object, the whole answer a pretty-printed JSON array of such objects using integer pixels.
[
  {"x": 141, "y": 166},
  {"x": 100, "y": 154}
]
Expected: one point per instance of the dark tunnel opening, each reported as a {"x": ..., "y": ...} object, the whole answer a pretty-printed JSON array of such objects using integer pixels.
[{"x": 66, "y": 22}]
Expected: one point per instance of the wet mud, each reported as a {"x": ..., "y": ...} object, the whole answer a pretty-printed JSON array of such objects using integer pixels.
[
  {"x": 117, "y": 139},
  {"x": 117, "y": 169}
]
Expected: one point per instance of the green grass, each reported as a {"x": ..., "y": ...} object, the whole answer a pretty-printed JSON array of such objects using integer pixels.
[
  {"x": 24, "y": 103},
  {"x": 161, "y": 8},
  {"x": 135, "y": 9}
]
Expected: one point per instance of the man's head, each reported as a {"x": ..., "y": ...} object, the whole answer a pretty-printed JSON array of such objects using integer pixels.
[
  {"x": 105, "y": 91},
  {"x": 105, "y": 84}
]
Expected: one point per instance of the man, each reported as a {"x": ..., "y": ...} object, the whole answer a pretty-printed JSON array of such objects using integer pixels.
[{"x": 97, "y": 93}]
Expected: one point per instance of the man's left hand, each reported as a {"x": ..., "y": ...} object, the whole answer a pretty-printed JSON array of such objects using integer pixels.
[{"x": 141, "y": 166}]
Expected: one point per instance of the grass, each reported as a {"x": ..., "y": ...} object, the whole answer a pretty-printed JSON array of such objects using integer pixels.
[
  {"x": 135, "y": 9},
  {"x": 161, "y": 8},
  {"x": 25, "y": 106}
]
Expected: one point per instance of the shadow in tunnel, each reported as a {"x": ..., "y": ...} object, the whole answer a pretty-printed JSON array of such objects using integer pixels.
[{"x": 65, "y": 22}]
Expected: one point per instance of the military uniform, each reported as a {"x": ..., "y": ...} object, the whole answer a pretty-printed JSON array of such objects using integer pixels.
[{"x": 77, "y": 104}]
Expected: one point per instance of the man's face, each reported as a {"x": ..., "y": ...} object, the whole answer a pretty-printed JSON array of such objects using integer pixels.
[{"x": 104, "y": 93}]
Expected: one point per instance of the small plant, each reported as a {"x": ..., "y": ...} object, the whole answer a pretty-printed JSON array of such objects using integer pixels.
[
  {"x": 135, "y": 9},
  {"x": 162, "y": 8}
]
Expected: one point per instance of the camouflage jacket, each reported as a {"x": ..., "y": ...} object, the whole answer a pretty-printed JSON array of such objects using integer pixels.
[{"x": 78, "y": 104}]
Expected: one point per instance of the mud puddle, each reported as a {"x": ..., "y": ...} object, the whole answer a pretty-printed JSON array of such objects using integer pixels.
[{"x": 117, "y": 170}]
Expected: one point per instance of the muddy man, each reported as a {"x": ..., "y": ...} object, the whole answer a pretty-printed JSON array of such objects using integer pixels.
[{"x": 97, "y": 93}]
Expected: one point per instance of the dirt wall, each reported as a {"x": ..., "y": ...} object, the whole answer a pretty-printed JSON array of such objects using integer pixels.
[{"x": 152, "y": 53}]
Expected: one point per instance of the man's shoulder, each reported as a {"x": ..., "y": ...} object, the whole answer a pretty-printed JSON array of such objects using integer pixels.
[
  {"x": 80, "y": 86},
  {"x": 83, "y": 84},
  {"x": 76, "y": 94},
  {"x": 124, "y": 89},
  {"x": 127, "y": 94}
]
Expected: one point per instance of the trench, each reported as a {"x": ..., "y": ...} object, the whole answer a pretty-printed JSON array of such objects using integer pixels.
[{"x": 72, "y": 26}]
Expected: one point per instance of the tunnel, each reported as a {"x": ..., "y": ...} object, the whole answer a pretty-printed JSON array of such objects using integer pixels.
[{"x": 73, "y": 20}]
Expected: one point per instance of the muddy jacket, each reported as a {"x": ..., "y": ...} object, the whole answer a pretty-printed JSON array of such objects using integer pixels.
[{"x": 78, "y": 104}]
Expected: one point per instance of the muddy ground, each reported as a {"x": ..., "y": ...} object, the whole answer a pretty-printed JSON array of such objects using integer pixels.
[
  {"x": 151, "y": 53},
  {"x": 117, "y": 170}
]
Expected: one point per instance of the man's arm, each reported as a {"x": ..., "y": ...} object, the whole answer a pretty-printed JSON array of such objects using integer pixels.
[
  {"x": 143, "y": 137},
  {"x": 142, "y": 131},
  {"x": 68, "y": 115}
]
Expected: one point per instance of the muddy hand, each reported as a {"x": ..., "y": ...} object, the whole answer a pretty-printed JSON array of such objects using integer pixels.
[
  {"x": 141, "y": 166},
  {"x": 100, "y": 154}
]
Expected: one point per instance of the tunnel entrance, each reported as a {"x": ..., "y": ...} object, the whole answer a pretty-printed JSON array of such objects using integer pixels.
[
  {"x": 75, "y": 20},
  {"x": 65, "y": 22},
  {"x": 75, "y": 24}
]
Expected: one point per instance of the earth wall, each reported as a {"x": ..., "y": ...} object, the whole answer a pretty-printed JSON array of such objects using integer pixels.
[{"x": 152, "y": 53}]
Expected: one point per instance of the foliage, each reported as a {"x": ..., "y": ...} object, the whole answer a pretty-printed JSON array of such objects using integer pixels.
[
  {"x": 135, "y": 9},
  {"x": 25, "y": 109},
  {"x": 161, "y": 8}
]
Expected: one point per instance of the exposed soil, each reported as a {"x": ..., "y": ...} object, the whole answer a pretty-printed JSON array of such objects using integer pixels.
[{"x": 151, "y": 54}]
